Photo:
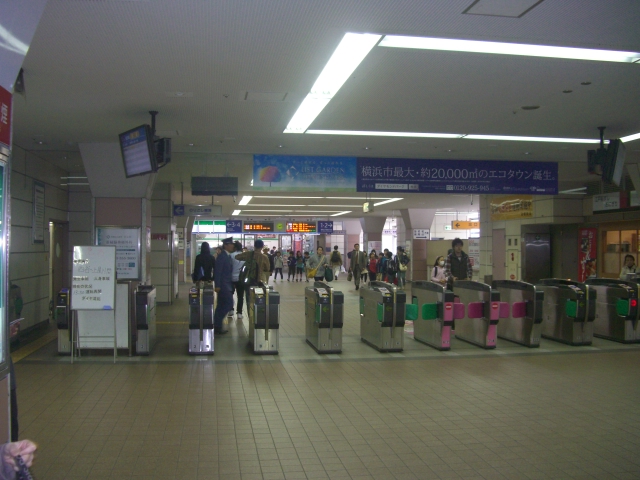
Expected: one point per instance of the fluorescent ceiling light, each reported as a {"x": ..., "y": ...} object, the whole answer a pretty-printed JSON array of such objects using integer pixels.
[
  {"x": 575, "y": 191},
  {"x": 384, "y": 134},
  {"x": 387, "y": 201},
  {"x": 280, "y": 205},
  {"x": 316, "y": 211},
  {"x": 275, "y": 196},
  {"x": 341, "y": 206},
  {"x": 341, "y": 213},
  {"x": 245, "y": 200},
  {"x": 235, "y": 212},
  {"x": 270, "y": 210},
  {"x": 630, "y": 138},
  {"x": 522, "y": 49},
  {"x": 357, "y": 198},
  {"x": 353, "y": 48},
  {"x": 533, "y": 139}
]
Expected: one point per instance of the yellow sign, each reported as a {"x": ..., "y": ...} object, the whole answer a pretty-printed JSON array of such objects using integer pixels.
[
  {"x": 460, "y": 225},
  {"x": 511, "y": 207}
]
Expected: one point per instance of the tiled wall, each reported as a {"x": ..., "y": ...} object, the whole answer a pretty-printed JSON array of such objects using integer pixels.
[
  {"x": 161, "y": 259},
  {"x": 29, "y": 262}
]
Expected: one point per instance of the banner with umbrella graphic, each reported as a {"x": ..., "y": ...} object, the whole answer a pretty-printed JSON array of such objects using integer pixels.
[{"x": 304, "y": 173}]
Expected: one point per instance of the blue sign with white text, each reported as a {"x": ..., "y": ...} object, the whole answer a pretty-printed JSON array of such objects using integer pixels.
[
  {"x": 234, "y": 226},
  {"x": 325, "y": 227},
  {"x": 302, "y": 173},
  {"x": 456, "y": 176}
]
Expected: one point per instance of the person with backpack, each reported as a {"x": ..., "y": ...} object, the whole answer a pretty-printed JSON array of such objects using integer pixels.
[
  {"x": 390, "y": 268},
  {"x": 336, "y": 262},
  {"x": 204, "y": 265},
  {"x": 437, "y": 274},
  {"x": 223, "y": 286},
  {"x": 291, "y": 263},
  {"x": 256, "y": 263},
  {"x": 401, "y": 261}
]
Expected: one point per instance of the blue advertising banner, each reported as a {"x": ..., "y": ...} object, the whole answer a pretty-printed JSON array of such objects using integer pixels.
[
  {"x": 301, "y": 173},
  {"x": 234, "y": 226},
  {"x": 457, "y": 176},
  {"x": 325, "y": 226}
]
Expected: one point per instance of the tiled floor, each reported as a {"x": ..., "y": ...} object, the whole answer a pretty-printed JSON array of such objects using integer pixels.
[{"x": 554, "y": 412}]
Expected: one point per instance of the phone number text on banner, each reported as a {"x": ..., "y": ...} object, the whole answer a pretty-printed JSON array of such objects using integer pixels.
[{"x": 456, "y": 176}]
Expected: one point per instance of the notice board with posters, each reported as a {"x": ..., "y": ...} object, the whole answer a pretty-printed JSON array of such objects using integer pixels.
[{"x": 93, "y": 280}]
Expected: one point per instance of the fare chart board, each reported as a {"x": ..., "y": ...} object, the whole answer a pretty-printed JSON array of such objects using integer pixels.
[
  {"x": 94, "y": 278},
  {"x": 127, "y": 243}
]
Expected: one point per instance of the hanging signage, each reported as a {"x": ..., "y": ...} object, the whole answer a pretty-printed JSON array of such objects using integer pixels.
[
  {"x": 196, "y": 210},
  {"x": 464, "y": 225},
  {"x": 258, "y": 227},
  {"x": 94, "y": 278},
  {"x": 5, "y": 117},
  {"x": 456, "y": 176},
  {"x": 301, "y": 227},
  {"x": 127, "y": 243},
  {"x": 511, "y": 207},
  {"x": 421, "y": 234},
  {"x": 234, "y": 226},
  {"x": 37, "y": 223},
  {"x": 302, "y": 173},
  {"x": 587, "y": 251},
  {"x": 609, "y": 201},
  {"x": 325, "y": 227}
]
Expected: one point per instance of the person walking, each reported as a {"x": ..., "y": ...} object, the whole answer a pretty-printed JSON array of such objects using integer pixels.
[
  {"x": 266, "y": 275},
  {"x": 437, "y": 274},
  {"x": 318, "y": 261},
  {"x": 390, "y": 268},
  {"x": 365, "y": 270},
  {"x": 238, "y": 286},
  {"x": 306, "y": 261},
  {"x": 203, "y": 265},
  {"x": 223, "y": 285},
  {"x": 457, "y": 264},
  {"x": 291, "y": 262},
  {"x": 372, "y": 266},
  {"x": 357, "y": 264},
  {"x": 257, "y": 263},
  {"x": 278, "y": 264},
  {"x": 299, "y": 266},
  {"x": 336, "y": 262},
  {"x": 402, "y": 261}
]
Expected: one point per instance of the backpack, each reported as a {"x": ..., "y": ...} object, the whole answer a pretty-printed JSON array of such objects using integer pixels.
[
  {"x": 249, "y": 271},
  {"x": 391, "y": 266},
  {"x": 335, "y": 256}
]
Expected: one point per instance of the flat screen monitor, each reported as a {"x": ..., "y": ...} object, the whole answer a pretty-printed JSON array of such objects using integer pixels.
[
  {"x": 214, "y": 186},
  {"x": 138, "y": 153},
  {"x": 614, "y": 165}
]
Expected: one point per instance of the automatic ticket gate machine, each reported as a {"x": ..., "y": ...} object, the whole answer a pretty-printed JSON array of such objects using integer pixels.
[
  {"x": 479, "y": 321},
  {"x": 201, "y": 334},
  {"x": 382, "y": 316},
  {"x": 617, "y": 314},
  {"x": 323, "y": 317},
  {"x": 568, "y": 311},
  {"x": 264, "y": 320},
  {"x": 63, "y": 320},
  {"x": 435, "y": 305},
  {"x": 521, "y": 312},
  {"x": 145, "y": 296}
]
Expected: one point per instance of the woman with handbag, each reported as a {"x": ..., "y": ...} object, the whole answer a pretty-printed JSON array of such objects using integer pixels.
[
  {"x": 316, "y": 265},
  {"x": 402, "y": 260}
]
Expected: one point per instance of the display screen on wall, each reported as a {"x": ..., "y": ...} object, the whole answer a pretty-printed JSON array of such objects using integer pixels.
[
  {"x": 301, "y": 227},
  {"x": 258, "y": 227}
]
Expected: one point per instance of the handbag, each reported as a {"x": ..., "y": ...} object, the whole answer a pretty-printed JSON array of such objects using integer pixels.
[
  {"x": 349, "y": 276},
  {"x": 311, "y": 272},
  {"x": 328, "y": 275},
  {"x": 402, "y": 267}
]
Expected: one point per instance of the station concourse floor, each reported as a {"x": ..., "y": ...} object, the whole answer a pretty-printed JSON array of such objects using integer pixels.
[{"x": 556, "y": 412}]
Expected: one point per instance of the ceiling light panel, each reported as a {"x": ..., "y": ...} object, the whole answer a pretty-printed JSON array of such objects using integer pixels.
[
  {"x": 384, "y": 134},
  {"x": 522, "y": 49},
  {"x": 630, "y": 138},
  {"x": 387, "y": 201},
  {"x": 245, "y": 200}
]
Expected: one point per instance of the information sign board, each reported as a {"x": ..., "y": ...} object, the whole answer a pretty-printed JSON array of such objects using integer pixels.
[
  {"x": 421, "y": 234},
  {"x": 301, "y": 227},
  {"x": 37, "y": 224},
  {"x": 464, "y": 225},
  {"x": 325, "y": 227},
  {"x": 127, "y": 243},
  {"x": 234, "y": 226},
  {"x": 258, "y": 227},
  {"x": 5, "y": 117},
  {"x": 93, "y": 278}
]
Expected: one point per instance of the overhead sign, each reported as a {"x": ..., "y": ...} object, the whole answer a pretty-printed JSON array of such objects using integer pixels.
[
  {"x": 610, "y": 201},
  {"x": 234, "y": 226},
  {"x": 399, "y": 175},
  {"x": 258, "y": 227},
  {"x": 302, "y": 173},
  {"x": 325, "y": 227},
  {"x": 301, "y": 227},
  {"x": 464, "y": 225},
  {"x": 196, "y": 210},
  {"x": 511, "y": 207},
  {"x": 5, "y": 117},
  {"x": 421, "y": 234}
]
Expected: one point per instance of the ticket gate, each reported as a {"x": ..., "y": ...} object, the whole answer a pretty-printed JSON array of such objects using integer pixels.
[
  {"x": 264, "y": 320},
  {"x": 201, "y": 334},
  {"x": 479, "y": 321},
  {"x": 616, "y": 309},
  {"x": 63, "y": 320},
  {"x": 568, "y": 311},
  {"x": 145, "y": 296},
  {"x": 323, "y": 317},
  {"x": 521, "y": 304},
  {"x": 382, "y": 316},
  {"x": 435, "y": 314}
]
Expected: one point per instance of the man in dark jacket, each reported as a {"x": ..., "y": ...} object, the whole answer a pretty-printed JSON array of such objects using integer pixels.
[
  {"x": 457, "y": 265},
  {"x": 357, "y": 264},
  {"x": 223, "y": 285}
]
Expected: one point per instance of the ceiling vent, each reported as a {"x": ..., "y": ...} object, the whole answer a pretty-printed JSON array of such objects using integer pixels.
[
  {"x": 263, "y": 97},
  {"x": 502, "y": 8}
]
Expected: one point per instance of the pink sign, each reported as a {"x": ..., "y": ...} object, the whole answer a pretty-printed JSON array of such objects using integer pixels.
[
  {"x": 5, "y": 117},
  {"x": 587, "y": 248}
]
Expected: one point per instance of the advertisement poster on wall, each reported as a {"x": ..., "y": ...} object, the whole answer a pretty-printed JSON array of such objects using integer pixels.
[
  {"x": 301, "y": 173},
  {"x": 510, "y": 207},
  {"x": 587, "y": 248}
]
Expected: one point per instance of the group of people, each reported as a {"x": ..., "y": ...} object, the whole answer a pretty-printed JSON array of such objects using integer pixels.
[
  {"x": 455, "y": 266},
  {"x": 383, "y": 266}
]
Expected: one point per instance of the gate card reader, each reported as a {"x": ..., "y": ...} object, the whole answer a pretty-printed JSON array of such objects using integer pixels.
[
  {"x": 616, "y": 309},
  {"x": 201, "y": 334},
  {"x": 523, "y": 320},
  {"x": 568, "y": 311},
  {"x": 479, "y": 324},
  {"x": 62, "y": 317},
  {"x": 435, "y": 314},
  {"x": 145, "y": 318},
  {"x": 264, "y": 320},
  {"x": 382, "y": 316},
  {"x": 323, "y": 317}
]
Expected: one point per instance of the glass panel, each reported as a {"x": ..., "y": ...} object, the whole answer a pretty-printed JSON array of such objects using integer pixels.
[
  {"x": 612, "y": 241},
  {"x": 3, "y": 281}
]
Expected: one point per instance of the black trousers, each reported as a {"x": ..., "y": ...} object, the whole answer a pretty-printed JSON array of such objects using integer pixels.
[{"x": 239, "y": 289}]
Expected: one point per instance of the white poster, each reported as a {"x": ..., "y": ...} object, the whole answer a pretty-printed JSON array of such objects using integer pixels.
[
  {"x": 37, "y": 225},
  {"x": 473, "y": 245},
  {"x": 421, "y": 234},
  {"x": 127, "y": 243},
  {"x": 93, "y": 280}
]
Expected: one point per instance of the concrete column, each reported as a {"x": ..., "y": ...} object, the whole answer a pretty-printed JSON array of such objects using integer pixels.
[
  {"x": 162, "y": 231},
  {"x": 372, "y": 228},
  {"x": 417, "y": 218}
]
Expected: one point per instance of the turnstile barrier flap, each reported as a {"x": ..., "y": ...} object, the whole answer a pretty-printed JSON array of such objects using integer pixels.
[
  {"x": 571, "y": 308},
  {"x": 519, "y": 309},
  {"x": 458, "y": 310},
  {"x": 623, "y": 307},
  {"x": 411, "y": 311},
  {"x": 475, "y": 310},
  {"x": 430, "y": 311},
  {"x": 503, "y": 310}
]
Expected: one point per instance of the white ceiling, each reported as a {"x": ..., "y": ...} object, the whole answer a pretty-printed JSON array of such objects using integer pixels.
[{"x": 96, "y": 67}]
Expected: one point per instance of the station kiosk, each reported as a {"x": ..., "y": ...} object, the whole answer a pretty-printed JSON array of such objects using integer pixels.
[
  {"x": 616, "y": 309},
  {"x": 522, "y": 307},
  {"x": 323, "y": 317},
  {"x": 264, "y": 320},
  {"x": 63, "y": 320},
  {"x": 382, "y": 316},
  {"x": 201, "y": 334},
  {"x": 568, "y": 311},
  {"x": 145, "y": 298},
  {"x": 479, "y": 322},
  {"x": 435, "y": 314}
]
